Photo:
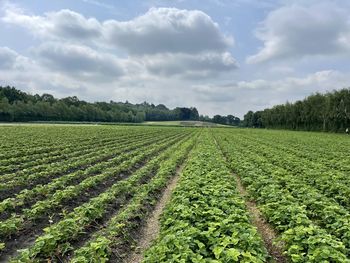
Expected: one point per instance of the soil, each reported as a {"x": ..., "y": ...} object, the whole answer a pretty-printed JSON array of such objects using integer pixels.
[
  {"x": 150, "y": 230},
  {"x": 266, "y": 231},
  {"x": 33, "y": 229},
  {"x": 268, "y": 234}
]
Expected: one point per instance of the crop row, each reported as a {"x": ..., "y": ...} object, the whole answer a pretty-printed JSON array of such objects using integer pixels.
[
  {"x": 29, "y": 180},
  {"x": 286, "y": 207},
  {"x": 41, "y": 151},
  {"x": 65, "y": 196},
  {"x": 305, "y": 185},
  {"x": 21, "y": 141},
  {"x": 79, "y": 153},
  {"x": 206, "y": 219},
  {"x": 310, "y": 147},
  {"x": 113, "y": 239},
  {"x": 66, "y": 151},
  {"x": 58, "y": 239},
  {"x": 44, "y": 191},
  {"x": 60, "y": 138},
  {"x": 332, "y": 182}
]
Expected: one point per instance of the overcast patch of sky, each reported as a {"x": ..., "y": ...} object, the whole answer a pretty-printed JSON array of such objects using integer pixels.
[{"x": 239, "y": 19}]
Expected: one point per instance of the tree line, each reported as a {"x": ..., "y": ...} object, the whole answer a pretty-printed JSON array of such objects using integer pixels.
[
  {"x": 219, "y": 119},
  {"x": 16, "y": 105},
  {"x": 19, "y": 106},
  {"x": 318, "y": 112}
]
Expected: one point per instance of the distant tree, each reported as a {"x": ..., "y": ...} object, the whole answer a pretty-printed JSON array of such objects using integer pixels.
[
  {"x": 232, "y": 120},
  {"x": 183, "y": 113},
  {"x": 48, "y": 98},
  {"x": 194, "y": 115},
  {"x": 248, "y": 119},
  {"x": 71, "y": 101},
  {"x": 6, "y": 113},
  {"x": 219, "y": 119},
  {"x": 161, "y": 107},
  {"x": 16, "y": 105},
  {"x": 12, "y": 94},
  {"x": 205, "y": 118},
  {"x": 317, "y": 112},
  {"x": 140, "y": 116}
]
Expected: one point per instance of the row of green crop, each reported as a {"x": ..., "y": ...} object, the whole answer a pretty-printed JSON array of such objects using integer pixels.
[
  {"x": 206, "y": 219},
  {"x": 45, "y": 191},
  {"x": 33, "y": 136},
  {"x": 116, "y": 236},
  {"x": 59, "y": 238},
  {"x": 332, "y": 181},
  {"x": 61, "y": 168},
  {"x": 56, "y": 150},
  {"x": 66, "y": 151},
  {"x": 17, "y": 141},
  {"x": 272, "y": 187},
  {"x": 325, "y": 150},
  {"x": 45, "y": 139},
  {"x": 327, "y": 158},
  {"x": 80, "y": 153},
  {"x": 18, "y": 221},
  {"x": 304, "y": 185}
]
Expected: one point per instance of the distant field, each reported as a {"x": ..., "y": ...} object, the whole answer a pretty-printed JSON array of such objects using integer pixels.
[
  {"x": 150, "y": 123},
  {"x": 89, "y": 193},
  {"x": 184, "y": 123}
]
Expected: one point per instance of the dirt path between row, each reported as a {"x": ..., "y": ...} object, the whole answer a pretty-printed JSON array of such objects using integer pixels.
[
  {"x": 152, "y": 227},
  {"x": 266, "y": 231}
]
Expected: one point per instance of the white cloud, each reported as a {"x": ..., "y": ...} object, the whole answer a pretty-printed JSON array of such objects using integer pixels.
[
  {"x": 297, "y": 31},
  {"x": 160, "y": 30},
  {"x": 163, "y": 30},
  {"x": 202, "y": 65},
  {"x": 10, "y": 60},
  {"x": 79, "y": 61},
  {"x": 165, "y": 41},
  {"x": 7, "y": 58},
  {"x": 64, "y": 24}
]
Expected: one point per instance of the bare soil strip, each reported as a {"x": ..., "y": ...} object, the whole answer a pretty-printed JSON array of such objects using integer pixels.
[
  {"x": 152, "y": 227},
  {"x": 267, "y": 232}
]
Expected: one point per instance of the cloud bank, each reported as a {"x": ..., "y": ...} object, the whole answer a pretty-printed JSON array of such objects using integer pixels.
[
  {"x": 297, "y": 31},
  {"x": 181, "y": 57},
  {"x": 163, "y": 37}
]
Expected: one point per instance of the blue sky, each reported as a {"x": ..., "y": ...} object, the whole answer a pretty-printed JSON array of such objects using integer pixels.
[{"x": 222, "y": 56}]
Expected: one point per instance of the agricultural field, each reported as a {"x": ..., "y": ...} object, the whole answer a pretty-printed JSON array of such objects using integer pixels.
[
  {"x": 87, "y": 193},
  {"x": 184, "y": 123}
]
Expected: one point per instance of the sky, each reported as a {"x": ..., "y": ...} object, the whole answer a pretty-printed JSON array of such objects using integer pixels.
[{"x": 221, "y": 56}]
